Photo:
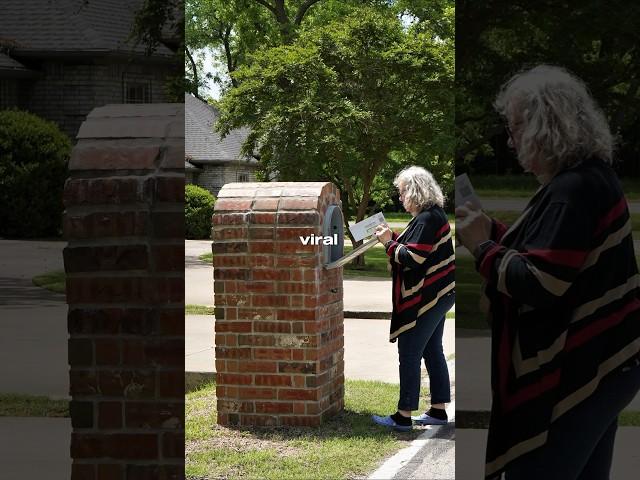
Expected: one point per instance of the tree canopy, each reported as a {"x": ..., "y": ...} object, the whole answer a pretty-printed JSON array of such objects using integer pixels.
[
  {"x": 598, "y": 41},
  {"x": 346, "y": 91}
]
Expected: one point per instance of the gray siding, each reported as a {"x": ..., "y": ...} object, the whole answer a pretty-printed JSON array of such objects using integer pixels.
[
  {"x": 69, "y": 91},
  {"x": 213, "y": 177}
]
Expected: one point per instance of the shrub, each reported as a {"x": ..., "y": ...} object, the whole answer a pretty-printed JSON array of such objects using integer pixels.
[
  {"x": 33, "y": 168},
  {"x": 198, "y": 209}
]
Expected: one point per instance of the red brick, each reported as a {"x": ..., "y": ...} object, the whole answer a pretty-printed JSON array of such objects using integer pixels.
[
  {"x": 272, "y": 353},
  {"x": 261, "y": 233},
  {"x": 308, "y": 203},
  {"x": 131, "y": 384},
  {"x": 152, "y": 415},
  {"x": 221, "y": 260},
  {"x": 256, "y": 340},
  {"x": 301, "y": 421},
  {"x": 309, "y": 288},
  {"x": 229, "y": 247},
  {"x": 230, "y": 273},
  {"x": 81, "y": 471},
  {"x": 229, "y": 218},
  {"x": 270, "y": 274},
  {"x": 272, "y": 327},
  {"x": 109, "y": 157},
  {"x": 298, "y": 218},
  {"x": 261, "y": 247},
  {"x": 254, "y": 393},
  {"x": 229, "y": 233},
  {"x": 173, "y": 445},
  {"x": 287, "y": 233},
  {"x": 273, "y": 380},
  {"x": 259, "y": 420},
  {"x": 265, "y": 204},
  {"x": 107, "y": 351},
  {"x": 237, "y": 327},
  {"x": 261, "y": 218},
  {"x": 290, "y": 248},
  {"x": 270, "y": 301},
  {"x": 274, "y": 407},
  {"x": 233, "y": 379},
  {"x": 83, "y": 382},
  {"x": 297, "y": 315},
  {"x": 223, "y": 352},
  {"x": 258, "y": 366},
  {"x": 169, "y": 189},
  {"x": 297, "y": 367},
  {"x": 257, "y": 314},
  {"x": 232, "y": 204},
  {"x": 109, "y": 415}
]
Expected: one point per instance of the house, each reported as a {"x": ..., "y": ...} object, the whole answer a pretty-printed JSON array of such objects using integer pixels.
[
  {"x": 61, "y": 59},
  {"x": 210, "y": 161}
]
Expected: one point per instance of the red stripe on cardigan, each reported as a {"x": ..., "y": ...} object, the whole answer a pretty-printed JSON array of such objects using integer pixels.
[
  {"x": 428, "y": 281},
  {"x": 423, "y": 247},
  {"x": 618, "y": 209},
  {"x": 597, "y": 327},
  {"x": 442, "y": 230},
  {"x": 487, "y": 261}
]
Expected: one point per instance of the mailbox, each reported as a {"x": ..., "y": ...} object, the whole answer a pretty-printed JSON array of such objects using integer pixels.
[{"x": 333, "y": 227}]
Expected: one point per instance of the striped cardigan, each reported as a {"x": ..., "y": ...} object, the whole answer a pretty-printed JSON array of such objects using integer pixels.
[
  {"x": 422, "y": 264},
  {"x": 564, "y": 291}
]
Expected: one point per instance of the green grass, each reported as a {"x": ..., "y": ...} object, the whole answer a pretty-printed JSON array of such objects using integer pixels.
[
  {"x": 12, "y": 405},
  {"x": 524, "y": 186},
  {"x": 206, "y": 257},
  {"x": 346, "y": 446},
  {"x": 376, "y": 261},
  {"x": 629, "y": 419},
  {"x": 52, "y": 281},
  {"x": 198, "y": 310}
]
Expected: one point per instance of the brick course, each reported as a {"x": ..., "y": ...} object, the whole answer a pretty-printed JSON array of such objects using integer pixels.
[
  {"x": 279, "y": 327},
  {"x": 124, "y": 262}
]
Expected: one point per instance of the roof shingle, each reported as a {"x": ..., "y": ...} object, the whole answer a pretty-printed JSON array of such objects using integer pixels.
[{"x": 202, "y": 144}]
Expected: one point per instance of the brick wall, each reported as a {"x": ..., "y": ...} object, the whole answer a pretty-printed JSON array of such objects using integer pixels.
[
  {"x": 124, "y": 222},
  {"x": 279, "y": 313}
]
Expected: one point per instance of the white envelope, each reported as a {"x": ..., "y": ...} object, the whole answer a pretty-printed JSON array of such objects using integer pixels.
[{"x": 366, "y": 227}]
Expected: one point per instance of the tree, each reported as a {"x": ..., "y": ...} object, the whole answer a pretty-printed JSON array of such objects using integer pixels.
[
  {"x": 162, "y": 22},
  {"x": 497, "y": 38},
  {"x": 343, "y": 100}
]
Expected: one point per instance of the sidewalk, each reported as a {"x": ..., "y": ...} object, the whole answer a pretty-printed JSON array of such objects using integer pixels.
[{"x": 35, "y": 448}]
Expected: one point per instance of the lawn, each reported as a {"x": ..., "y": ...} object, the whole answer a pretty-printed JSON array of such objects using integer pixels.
[
  {"x": 53, "y": 281},
  {"x": 198, "y": 310},
  {"x": 13, "y": 405},
  {"x": 525, "y": 185},
  {"x": 346, "y": 446}
]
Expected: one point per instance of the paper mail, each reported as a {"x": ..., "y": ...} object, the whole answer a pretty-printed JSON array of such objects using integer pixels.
[{"x": 366, "y": 227}]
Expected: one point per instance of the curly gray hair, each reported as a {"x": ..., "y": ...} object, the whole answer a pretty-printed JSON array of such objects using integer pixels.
[
  {"x": 562, "y": 123},
  {"x": 421, "y": 189}
]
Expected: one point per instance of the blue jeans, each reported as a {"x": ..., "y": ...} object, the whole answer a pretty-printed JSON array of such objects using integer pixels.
[
  {"x": 425, "y": 341},
  {"x": 580, "y": 443}
]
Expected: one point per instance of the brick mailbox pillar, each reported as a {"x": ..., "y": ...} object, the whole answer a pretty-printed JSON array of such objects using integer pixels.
[
  {"x": 279, "y": 313},
  {"x": 124, "y": 222}
]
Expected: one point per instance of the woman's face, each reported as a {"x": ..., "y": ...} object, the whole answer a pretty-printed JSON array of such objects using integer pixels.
[{"x": 405, "y": 203}]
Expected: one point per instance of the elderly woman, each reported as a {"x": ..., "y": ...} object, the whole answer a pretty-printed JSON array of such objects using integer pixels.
[
  {"x": 422, "y": 265},
  {"x": 562, "y": 285}
]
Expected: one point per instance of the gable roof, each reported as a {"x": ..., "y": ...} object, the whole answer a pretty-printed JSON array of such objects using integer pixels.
[
  {"x": 70, "y": 26},
  {"x": 202, "y": 144},
  {"x": 13, "y": 68}
]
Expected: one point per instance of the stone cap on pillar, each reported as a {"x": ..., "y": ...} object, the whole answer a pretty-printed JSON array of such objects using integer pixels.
[{"x": 137, "y": 137}]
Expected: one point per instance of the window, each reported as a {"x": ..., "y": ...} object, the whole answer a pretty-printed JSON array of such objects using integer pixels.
[
  {"x": 137, "y": 91},
  {"x": 243, "y": 177}
]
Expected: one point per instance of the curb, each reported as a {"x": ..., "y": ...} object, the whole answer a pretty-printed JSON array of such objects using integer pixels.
[{"x": 390, "y": 468}]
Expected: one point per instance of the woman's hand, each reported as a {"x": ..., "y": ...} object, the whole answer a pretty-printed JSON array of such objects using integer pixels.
[
  {"x": 383, "y": 233},
  {"x": 472, "y": 226}
]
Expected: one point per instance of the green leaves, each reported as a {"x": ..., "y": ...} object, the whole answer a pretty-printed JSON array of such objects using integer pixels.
[{"x": 343, "y": 98}]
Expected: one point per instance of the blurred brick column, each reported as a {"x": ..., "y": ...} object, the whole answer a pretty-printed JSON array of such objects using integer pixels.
[
  {"x": 279, "y": 313},
  {"x": 124, "y": 222}
]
